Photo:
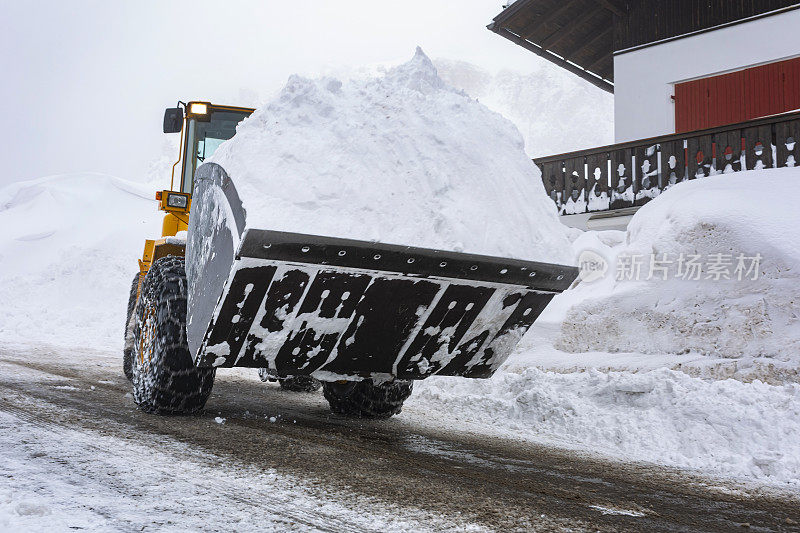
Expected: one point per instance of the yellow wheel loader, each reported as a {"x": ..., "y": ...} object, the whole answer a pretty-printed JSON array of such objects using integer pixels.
[
  {"x": 363, "y": 318},
  {"x": 199, "y": 138}
]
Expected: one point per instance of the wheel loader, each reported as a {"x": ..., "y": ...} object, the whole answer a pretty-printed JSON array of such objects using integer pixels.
[{"x": 365, "y": 319}]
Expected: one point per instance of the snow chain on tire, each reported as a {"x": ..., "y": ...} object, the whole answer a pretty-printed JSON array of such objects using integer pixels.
[
  {"x": 165, "y": 380},
  {"x": 127, "y": 351},
  {"x": 365, "y": 399}
]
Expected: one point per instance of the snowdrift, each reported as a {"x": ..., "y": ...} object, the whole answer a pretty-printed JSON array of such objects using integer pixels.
[
  {"x": 726, "y": 427},
  {"x": 400, "y": 159},
  {"x": 68, "y": 249},
  {"x": 747, "y": 214}
]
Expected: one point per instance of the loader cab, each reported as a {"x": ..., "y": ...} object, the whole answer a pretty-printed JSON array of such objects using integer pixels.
[{"x": 204, "y": 128}]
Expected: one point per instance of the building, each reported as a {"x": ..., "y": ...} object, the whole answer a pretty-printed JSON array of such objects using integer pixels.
[{"x": 700, "y": 87}]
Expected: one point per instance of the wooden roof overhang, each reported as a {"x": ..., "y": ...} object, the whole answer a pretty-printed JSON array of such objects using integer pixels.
[{"x": 576, "y": 35}]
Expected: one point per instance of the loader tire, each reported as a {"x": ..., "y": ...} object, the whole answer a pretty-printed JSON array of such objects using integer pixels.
[
  {"x": 365, "y": 399},
  {"x": 127, "y": 350},
  {"x": 300, "y": 384},
  {"x": 165, "y": 380}
]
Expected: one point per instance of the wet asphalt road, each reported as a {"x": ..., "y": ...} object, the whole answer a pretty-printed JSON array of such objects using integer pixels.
[{"x": 498, "y": 484}]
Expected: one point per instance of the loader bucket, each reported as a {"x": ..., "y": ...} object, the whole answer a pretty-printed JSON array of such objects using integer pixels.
[{"x": 337, "y": 309}]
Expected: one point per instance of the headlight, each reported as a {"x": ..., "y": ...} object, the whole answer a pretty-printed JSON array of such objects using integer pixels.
[
  {"x": 177, "y": 200},
  {"x": 197, "y": 108}
]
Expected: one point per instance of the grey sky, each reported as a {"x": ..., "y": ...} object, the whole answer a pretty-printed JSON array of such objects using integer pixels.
[{"x": 85, "y": 82}]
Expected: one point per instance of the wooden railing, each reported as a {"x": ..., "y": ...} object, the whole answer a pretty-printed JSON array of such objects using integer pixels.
[{"x": 633, "y": 173}]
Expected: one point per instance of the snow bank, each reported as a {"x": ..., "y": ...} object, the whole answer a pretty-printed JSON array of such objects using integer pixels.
[
  {"x": 725, "y": 427},
  {"x": 402, "y": 158},
  {"x": 746, "y": 214},
  {"x": 68, "y": 251}
]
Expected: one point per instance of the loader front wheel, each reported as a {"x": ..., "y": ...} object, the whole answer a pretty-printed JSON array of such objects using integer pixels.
[
  {"x": 165, "y": 380},
  {"x": 127, "y": 350},
  {"x": 300, "y": 384},
  {"x": 365, "y": 399}
]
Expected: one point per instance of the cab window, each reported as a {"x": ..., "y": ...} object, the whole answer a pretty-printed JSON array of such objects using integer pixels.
[{"x": 204, "y": 137}]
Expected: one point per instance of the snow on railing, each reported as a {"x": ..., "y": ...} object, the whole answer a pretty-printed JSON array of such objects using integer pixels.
[{"x": 633, "y": 173}]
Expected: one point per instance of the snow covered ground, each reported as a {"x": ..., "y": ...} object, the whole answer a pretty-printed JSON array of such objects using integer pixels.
[{"x": 61, "y": 485}]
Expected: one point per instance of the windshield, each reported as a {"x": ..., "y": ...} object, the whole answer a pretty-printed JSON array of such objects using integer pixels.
[{"x": 204, "y": 137}]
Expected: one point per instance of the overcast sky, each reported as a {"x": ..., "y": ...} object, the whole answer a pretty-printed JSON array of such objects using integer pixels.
[{"x": 85, "y": 83}]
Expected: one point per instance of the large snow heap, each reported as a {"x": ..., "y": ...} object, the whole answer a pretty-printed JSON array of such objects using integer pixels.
[
  {"x": 68, "y": 250},
  {"x": 745, "y": 215},
  {"x": 401, "y": 158}
]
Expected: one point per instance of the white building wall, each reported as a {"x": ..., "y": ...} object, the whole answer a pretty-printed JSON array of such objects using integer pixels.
[{"x": 643, "y": 79}]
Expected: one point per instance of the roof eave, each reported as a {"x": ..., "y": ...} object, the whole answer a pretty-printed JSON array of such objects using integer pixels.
[{"x": 594, "y": 79}]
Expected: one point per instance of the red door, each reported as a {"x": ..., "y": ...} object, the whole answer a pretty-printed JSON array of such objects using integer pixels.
[{"x": 737, "y": 96}]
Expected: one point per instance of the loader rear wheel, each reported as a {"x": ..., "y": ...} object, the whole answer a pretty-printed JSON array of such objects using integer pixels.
[
  {"x": 127, "y": 350},
  {"x": 165, "y": 380},
  {"x": 300, "y": 384},
  {"x": 365, "y": 399}
]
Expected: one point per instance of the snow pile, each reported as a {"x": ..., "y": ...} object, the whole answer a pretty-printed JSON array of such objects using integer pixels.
[
  {"x": 555, "y": 111},
  {"x": 402, "y": 158},
  {"x": 725, "y": 427},
  {"x": 68, "y": 251},
  {"x": 754, "y": 314}
]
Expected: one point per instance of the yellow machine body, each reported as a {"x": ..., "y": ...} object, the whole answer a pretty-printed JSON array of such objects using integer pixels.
[{"x": 176, "y": 220}]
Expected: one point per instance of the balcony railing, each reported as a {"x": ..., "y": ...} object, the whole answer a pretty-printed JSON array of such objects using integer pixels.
[{"x": 633, "y": 173}]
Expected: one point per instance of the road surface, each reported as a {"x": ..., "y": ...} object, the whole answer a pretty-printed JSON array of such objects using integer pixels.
[{"x": 262, "y": 458}]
